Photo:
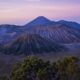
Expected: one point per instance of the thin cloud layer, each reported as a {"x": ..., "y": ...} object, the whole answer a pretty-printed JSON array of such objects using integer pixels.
[{"x": 17, "y": 11}]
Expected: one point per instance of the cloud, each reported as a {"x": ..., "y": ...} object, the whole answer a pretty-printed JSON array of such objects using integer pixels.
[
  {"x": 12, "y": 1},
  {"x": 32, "y": 0}
]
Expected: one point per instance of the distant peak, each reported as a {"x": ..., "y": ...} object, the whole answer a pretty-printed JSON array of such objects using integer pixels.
[
  {"x": 62, "y": 21},
  {"x": 42, "y": 18}
]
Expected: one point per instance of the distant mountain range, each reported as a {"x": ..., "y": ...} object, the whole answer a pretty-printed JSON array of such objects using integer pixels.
[
  {"x": 42, "y": 26},
  {"x": 43, "y": 21},
  {"x": 39, "y": 36}
]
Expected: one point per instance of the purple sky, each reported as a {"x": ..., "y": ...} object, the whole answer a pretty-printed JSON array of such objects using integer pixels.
[{"x": 22, "y": 11}]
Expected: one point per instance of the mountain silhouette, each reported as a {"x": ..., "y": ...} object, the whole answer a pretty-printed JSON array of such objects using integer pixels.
[
  {"x": 44, "y": 27},
  {"x": 70, "y": 24},
  {"x": 39, "y": 21}
]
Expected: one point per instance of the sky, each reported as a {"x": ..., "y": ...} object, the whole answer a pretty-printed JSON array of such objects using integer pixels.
[{"x": 21, "y": 12}]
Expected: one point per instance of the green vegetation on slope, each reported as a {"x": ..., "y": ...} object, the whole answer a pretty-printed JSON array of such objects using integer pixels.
[{"x": 33, "y": 68}]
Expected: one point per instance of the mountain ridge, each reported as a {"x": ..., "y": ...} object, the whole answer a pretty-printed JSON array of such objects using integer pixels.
[
  {"x": 31, "y": 44},
  {"x": 9, "y": 32}
]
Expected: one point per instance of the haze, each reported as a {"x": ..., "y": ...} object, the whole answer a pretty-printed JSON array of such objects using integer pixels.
[{"x": 22, "y": 11}]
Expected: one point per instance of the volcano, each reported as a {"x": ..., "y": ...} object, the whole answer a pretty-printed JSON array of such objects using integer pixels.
[{"x": 31, "y": 44}]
